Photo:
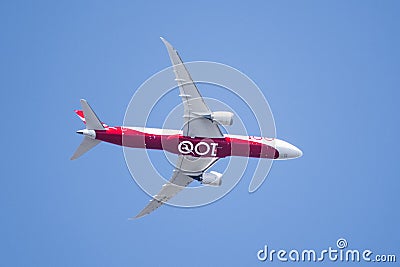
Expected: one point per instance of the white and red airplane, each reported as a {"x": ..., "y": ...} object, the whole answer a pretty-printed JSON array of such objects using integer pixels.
[{"x": 199, "y": 144}]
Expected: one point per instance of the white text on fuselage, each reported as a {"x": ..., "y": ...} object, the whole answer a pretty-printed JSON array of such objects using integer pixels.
[{"x": 200, "y": 149}]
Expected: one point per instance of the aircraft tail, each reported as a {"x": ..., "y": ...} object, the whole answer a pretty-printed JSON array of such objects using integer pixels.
[{"x": 92, "y": 122}]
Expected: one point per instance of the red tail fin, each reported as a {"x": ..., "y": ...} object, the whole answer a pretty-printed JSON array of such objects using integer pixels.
[{"x": 82, "y": 117}]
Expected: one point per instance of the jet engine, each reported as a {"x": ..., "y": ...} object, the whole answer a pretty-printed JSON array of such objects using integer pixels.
[
  {"x": 212, "y": 178},
  {"x": 223, "y": 117}
]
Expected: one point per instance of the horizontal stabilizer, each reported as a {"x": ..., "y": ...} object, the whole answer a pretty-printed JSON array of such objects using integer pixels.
[
  {"x": 87, "y": 144},
  {"x": 92, "y": 121}
]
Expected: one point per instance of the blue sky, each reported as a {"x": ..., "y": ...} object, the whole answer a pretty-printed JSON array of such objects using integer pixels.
[{"x": 329, "y": 69}]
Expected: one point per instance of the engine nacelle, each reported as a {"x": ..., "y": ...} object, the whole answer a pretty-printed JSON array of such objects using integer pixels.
[
  {"x": 223, "y": 117},
  {"x": 212, "y": 178}
]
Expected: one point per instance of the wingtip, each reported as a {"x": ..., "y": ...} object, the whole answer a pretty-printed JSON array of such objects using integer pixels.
[
  {"x": 136, "y": 217},
  {"x": 166, "y": 43},
  {"x": 74, "y": 157}
]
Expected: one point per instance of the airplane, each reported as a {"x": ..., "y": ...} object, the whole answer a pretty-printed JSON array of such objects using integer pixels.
[{"x": 198, "y": 145}]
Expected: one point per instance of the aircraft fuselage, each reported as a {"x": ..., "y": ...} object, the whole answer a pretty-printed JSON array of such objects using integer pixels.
[{"x": 173, "y": 141}]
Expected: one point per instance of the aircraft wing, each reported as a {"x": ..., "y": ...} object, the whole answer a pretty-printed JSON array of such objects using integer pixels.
[
  {"x": 197, "y": 115},
  {"x": 186, "y": 168}
]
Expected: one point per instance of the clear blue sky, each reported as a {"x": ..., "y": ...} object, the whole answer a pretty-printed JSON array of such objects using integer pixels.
[{"x": 329, "y": 69}]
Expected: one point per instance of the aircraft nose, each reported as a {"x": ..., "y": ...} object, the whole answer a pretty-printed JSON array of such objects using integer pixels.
[
  {"x": 297, "y": 152},
  {"x": 288, "y": 151}
]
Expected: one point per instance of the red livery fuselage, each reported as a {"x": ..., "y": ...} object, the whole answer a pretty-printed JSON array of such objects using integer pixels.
[{"x": 173, "y": 141}]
